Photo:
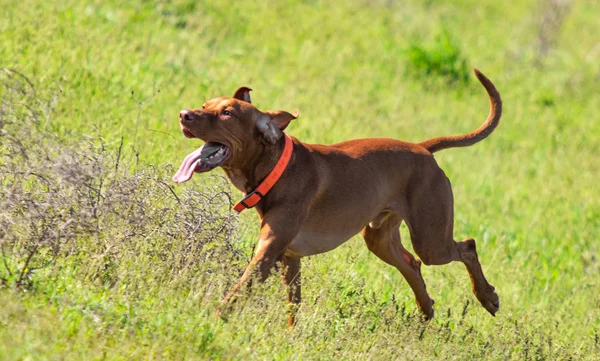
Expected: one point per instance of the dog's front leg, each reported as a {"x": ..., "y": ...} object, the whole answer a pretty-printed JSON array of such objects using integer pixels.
[
  {"x": 276, "y": 233},
  {"x": 291, "y": 278},
  {"x": 259, "y": 268}
]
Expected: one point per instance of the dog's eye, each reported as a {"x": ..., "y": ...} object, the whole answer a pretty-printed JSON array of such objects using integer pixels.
[{"x": 226, "y": 112}]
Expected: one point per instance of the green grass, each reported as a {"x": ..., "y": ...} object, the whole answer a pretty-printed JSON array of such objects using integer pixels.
[{"x": 529, "y": 194}]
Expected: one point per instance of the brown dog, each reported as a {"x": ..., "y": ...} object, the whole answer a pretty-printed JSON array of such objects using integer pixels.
[{"x": 327, "y": 194}]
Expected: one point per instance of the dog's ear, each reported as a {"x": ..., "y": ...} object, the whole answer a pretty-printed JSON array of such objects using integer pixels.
[
  {"x": 273, "y": 122},
  {"x": 281, "y": 119},
  {"x": 243, "y": 94}
]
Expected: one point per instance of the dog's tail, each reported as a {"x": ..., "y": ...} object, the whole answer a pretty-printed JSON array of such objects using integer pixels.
[{"x": 465, "y": 140}]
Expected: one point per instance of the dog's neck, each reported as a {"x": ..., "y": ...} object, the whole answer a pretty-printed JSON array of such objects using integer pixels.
[{"x": 248, "y": 175}]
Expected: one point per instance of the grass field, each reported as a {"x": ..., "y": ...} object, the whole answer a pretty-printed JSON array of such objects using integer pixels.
[{"x": 115, "y": 76}]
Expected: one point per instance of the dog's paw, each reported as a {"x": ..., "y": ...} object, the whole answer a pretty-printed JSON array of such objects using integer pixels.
[
  {"x": 429, "y": 315},
  {"x": 427, "y": 310},
  {"x": 489, "y": 300}
]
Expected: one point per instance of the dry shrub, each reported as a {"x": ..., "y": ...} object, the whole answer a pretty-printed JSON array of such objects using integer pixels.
[
  {"x": 553, "y": 14},
  {"x": 81, "y": 201}
]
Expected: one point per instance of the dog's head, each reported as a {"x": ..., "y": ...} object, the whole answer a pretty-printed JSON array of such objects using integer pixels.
[{"x": 232, "y": 128}]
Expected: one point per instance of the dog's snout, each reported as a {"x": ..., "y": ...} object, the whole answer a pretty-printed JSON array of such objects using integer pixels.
[{"x": 185, "y": 116}]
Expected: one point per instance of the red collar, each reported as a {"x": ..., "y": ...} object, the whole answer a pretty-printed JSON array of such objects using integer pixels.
[{"x": 251, "y": 199}]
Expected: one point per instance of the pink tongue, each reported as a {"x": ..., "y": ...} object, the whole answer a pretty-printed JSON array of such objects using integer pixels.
[{"x": 186, "y": 170}]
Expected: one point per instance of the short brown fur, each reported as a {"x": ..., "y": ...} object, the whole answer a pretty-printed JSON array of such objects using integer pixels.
[{"x": 328, "y": 194}]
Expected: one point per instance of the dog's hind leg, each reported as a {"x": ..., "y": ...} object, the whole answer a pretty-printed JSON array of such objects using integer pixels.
[
  {"x": 384, "y": 241},
  {"x": 466, "y": 253},
  {"x": 485, "y": 292},
  {"x": 434, "y": 244},
  {"x": 429, "y": 216}
]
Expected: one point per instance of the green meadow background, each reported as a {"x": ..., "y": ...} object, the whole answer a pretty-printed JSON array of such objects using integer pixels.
[{"x": 529, "y": 194}]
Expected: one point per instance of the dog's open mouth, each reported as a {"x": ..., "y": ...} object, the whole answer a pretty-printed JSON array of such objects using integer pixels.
[{"x": 204, "y": 159}]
